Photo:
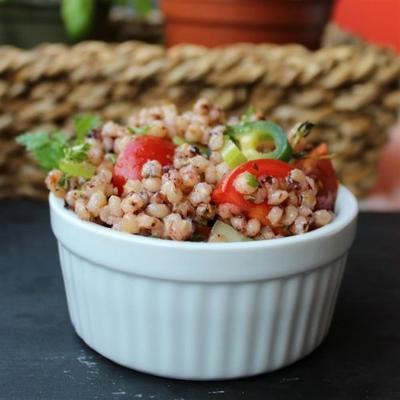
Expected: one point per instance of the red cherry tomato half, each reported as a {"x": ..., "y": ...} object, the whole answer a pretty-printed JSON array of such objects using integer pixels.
[
  {"x": 225, "y": 192},
  {"x": 323, "y": 172},
  {"x": 138, "y": 151}
]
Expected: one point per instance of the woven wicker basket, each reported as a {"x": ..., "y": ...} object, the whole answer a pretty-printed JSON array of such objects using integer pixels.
[{"x": 352, "y": 92}]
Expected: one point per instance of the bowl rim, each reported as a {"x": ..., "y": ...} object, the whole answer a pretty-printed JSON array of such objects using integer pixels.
[{"x": 346, "y": 210}]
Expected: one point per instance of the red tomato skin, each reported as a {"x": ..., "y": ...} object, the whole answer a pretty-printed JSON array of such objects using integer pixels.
[
  {"x": 137, "y": 152},
  {"x": 323, "y": 172},
  {"x": 226, "y": 193}
]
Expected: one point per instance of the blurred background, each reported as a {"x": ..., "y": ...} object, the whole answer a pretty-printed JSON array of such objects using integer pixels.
[{"x": 335, "y": 63}]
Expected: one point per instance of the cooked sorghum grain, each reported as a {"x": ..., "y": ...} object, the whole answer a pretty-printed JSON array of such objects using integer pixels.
[{"x": 175, "y": 202}]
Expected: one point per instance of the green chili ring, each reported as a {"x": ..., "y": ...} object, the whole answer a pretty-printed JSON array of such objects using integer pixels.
[{"x": 251, "y": 135}]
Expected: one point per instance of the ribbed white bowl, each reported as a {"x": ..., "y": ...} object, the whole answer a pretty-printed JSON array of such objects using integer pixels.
[{"x": 200, "y": 310}]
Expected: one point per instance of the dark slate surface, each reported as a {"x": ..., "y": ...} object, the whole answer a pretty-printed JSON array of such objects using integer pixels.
[{"x": 42, "y": 358}]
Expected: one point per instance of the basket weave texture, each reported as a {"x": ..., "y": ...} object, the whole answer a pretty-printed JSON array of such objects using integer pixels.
[{"x": 351, "y": 91}]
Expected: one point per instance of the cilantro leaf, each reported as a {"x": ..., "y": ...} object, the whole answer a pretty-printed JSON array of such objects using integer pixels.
[
  {"x": 74, "y": 161},
  {"x": 80, "y": 169},
  {"x": 47, "y": 149},
  {"x": 33, "y": 140},
  {"x": 248, "y": 114},
  {"x": 139, "y": 130},
  {"x": 83, "y": 124},
  {"x": 55, "y": 151},
  {"x": 77, "y": 153}
]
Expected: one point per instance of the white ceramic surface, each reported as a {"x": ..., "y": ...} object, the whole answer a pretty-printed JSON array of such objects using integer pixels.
[{"x": 202, "y": 310}]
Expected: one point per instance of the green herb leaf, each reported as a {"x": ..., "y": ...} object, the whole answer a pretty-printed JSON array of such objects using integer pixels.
[
  {"x": 139, "y": 130},
  {"x": 33, "y": 140},
  {"x": 248, "y": 114},
  {"x": 77, "y": 153},
  {"x": 49, "y": 156},
  {"x": 54, "y": 151},
  {"x": 47, "y": 149},
  {"x": 79, "y": 169},
  {"x": 74, "y": 161},
  {"x": 84, "y": 123}
]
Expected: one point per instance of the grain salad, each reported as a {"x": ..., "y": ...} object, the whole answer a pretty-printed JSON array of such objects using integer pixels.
[{"x": 196, "y": 176}]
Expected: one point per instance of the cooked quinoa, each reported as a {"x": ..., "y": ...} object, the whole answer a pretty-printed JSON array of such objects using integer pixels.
[{"x": 176, "y": 201}]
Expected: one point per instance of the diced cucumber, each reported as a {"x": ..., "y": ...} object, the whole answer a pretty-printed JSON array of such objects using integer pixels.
[{"x": 222, "y": 232}]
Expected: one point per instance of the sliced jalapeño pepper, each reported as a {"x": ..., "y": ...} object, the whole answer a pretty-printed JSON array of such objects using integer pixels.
[{"x": 253, "y": 136}]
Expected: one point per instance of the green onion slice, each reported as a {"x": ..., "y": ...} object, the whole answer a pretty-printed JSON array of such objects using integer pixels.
[
  {"x": 177, "y": 141},
  {"x": 231, "y": 154},
  {"x": 139, "y": 130},
  {"x": 252, "y": 180}
]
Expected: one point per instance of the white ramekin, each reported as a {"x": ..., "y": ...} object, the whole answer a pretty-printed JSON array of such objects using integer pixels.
[{"x": 202, "y": 310}]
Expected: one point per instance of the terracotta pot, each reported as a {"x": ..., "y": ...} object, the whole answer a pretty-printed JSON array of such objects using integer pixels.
[{"x": 220, "y": 22}]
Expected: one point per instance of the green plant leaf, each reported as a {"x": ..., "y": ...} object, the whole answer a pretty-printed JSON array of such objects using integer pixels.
[
  {"x": 78, "y": 16},
  {"x": 142, "y": 7},
  {"x": 77, "y": 153},
  {"x": 83, "y": 124},
  {"x": 138, "y": 130},
  {"x": 247, "y": 115},
  {"x": 47, "y": 149},
  {"x": 33, "y": 140},
  {"x": 79, "y": 169},
  {"x": 55, "y": 151}
]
